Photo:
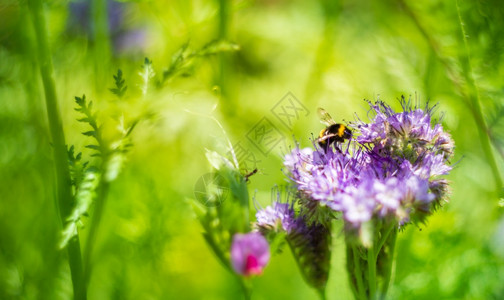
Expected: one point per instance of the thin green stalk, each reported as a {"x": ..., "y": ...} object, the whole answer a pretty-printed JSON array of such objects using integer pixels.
[
  {"x": 246, "y": 287},
  {"x": 64, "y": 192},
  {"x": 386, "y": 280},
  {"x": 101, "y": 36},
  {"x": 358, "y": 273},
  {"x": 223, "y": 19},
  {"x": 472, "y": 98},
  {"x": 475, "y": 101},
  {"x": 371, "y": 262},
  {"x": 352, "y": 287},
  {"x": 93, "y": 227},
  {"x": 384, "y": 238},
  {"x": 228, "y": 105}
]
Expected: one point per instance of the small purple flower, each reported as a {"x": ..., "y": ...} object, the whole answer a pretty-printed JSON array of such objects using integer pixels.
[
  {"x": 407, "y": 134},
  {"x": 276, "y": 215},
  {"x": 320, "y": 175},
  {"x": 249, "y": 253}
]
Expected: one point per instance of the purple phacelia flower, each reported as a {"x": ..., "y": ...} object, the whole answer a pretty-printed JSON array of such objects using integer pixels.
[
  {"x": 249, "y": 253},
  {"x": 279, "y": 216},
  {"x": 408, "y": 134},
  {"x": 321, "y": 175},
  {"x": 390, "y": 170}
]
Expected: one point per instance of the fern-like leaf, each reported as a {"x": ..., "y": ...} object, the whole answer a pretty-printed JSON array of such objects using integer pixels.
[
  {"x": 183, "y": 59},
  {"x": 84, "y": 195},
  {"x": 90, "y": 118},
  {"x": 119, "y": 149},
  {"x": 76, "y": 166},
  {"x": 147, "y": 73},
  {"x": 177, "y": 62},
  {"x": 120, "y": 87}
]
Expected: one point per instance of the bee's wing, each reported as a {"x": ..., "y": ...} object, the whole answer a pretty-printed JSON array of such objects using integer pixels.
[{"x": 325, "y": 117}]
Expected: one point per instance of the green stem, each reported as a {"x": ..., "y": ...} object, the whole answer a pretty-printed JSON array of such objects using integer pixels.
[
  {"x": 101, "y": 35},
  {"x": 246, "y": 287},
  {"x": 384, "y": 238},
  {"x": 352, "y": 286},
  {"x": 223, "y": 19},
  {"x": 358, "y": 273},
  {"x": 64, "y": 192},
  {"x": 371, "y": 262},
  {"x": 228, "y": 105},
  {"x": 103, "y": 188},
  {"x": 386, "y": 279}
]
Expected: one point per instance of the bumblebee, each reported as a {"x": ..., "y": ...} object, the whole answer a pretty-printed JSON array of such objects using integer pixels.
[{"x": 334, "y": 132}]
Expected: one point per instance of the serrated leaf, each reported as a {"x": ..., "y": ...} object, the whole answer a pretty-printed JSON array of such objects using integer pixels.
[
  {"x": 147, "y": 73},
  {"x": 93, "y": 169},
  {"x": 85, "y": 194},
  {"x": 120, "y": 88},
  {"x": 218, "y": 46}
]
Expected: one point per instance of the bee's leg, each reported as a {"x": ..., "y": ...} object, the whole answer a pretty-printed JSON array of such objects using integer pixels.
[{"x": 337, "y": 148}]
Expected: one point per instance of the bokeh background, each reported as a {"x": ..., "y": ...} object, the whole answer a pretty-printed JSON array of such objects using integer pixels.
[{"x": 330, "y": 54}]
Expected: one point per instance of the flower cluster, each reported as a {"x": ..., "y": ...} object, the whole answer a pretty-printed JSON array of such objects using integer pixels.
[
  {"x": 390, "y": 171},
  {"x": 389, "y": 175}
]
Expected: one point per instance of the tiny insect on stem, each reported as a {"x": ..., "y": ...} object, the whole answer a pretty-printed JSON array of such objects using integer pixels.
[{"x": 246, "y": 176}]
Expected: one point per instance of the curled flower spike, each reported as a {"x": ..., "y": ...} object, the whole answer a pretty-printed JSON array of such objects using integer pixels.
[
  {"x": 249, "y": 253},
  {"x": 309, "y": 241}
]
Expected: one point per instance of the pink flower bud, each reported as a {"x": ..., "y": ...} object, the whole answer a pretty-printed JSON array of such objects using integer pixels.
[{"x": 249, "y": 253}]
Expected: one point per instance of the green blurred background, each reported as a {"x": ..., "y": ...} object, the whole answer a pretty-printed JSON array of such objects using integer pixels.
[{"x": 331, "y": 54}]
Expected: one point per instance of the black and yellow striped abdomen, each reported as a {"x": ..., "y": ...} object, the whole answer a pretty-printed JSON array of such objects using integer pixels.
[{"x": 334, "y": 133}]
